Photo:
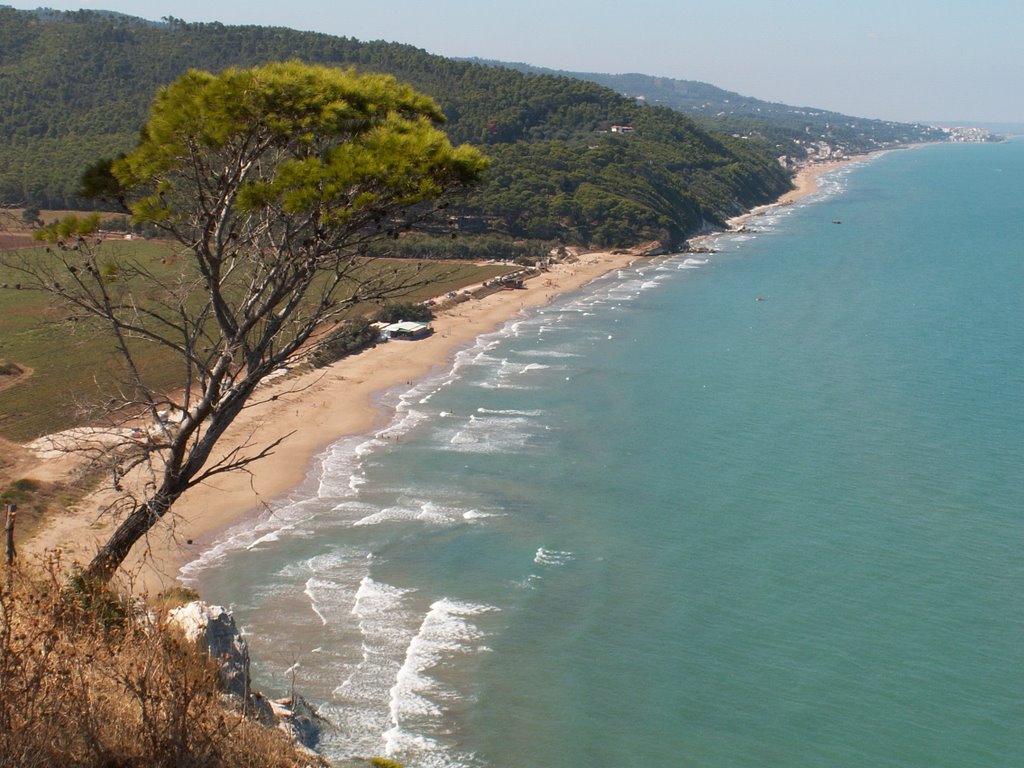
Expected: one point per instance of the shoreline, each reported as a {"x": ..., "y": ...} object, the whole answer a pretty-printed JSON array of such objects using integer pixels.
[
  {"x": 807, "y": 182},
  {"x": 301, "y": 407},
  {"x": 359, "y": 384}
]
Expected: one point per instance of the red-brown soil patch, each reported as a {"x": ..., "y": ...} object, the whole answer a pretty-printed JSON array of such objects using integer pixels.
[
  {"x": 15, "y": 460},
  {"x": 8, "y": 380},
  {"x": 11, "y": 240}
]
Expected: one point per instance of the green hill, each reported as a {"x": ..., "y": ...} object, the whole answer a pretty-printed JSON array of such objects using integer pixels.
[
  {"x": 792, "y": 131},
  {"x": 75, "y": 87}
]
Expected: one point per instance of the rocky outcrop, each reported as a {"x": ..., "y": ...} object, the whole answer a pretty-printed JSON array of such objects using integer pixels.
[
  {"x": 213, "y": 629},
  {"x": 299, "y": 718}
]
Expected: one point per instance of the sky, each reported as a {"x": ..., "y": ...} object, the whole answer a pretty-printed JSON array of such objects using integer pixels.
[{"x": 904, "y": 60}]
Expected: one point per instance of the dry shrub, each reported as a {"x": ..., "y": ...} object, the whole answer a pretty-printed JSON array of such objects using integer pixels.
[{"x": 87, "y": 680}]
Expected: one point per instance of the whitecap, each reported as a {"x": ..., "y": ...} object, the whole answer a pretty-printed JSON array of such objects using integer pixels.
[
  {"x": 274, "y": 535},
  {"x": 311, "y": 588},
  {"x": 414, "y": 510},
  {"x": 374, "y": 599},
  {"x": 418, "y": 701},
  {"x": 493, "y": 434},
  {"x": 446, "y": 631},
  {"x": 509, "y": 412},
  {"x": 359, "y": 711},
  {"x": 476, "y": 514},
  {"x": 248, "y": 534},
  {"x": 552, "y": 557},
  {"x": 552, "y": 353}
]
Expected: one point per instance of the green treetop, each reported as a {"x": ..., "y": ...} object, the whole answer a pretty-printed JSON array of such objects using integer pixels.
[{"x": 273, "y": 179}]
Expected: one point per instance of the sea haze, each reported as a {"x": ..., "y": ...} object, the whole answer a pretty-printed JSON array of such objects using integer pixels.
[{"x": 760, "y": 507}]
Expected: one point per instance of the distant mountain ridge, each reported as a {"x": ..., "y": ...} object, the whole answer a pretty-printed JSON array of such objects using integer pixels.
[{"x": 792, "y": 130}]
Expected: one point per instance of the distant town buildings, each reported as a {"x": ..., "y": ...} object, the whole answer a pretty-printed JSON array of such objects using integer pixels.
[
  {"x": 823, "y": 151},
  {"x": 970, "y": 135}
]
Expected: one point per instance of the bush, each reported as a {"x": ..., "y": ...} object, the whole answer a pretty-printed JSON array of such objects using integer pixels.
[
  {"x": 174, "y": 597},
  {"x": 350, "y": 337},
  {"x": 30, "y": 215},
  {"x": 19, "y": 492},
  {"x": 396, "y": 312},
  {"x": 110, "y": 272}
]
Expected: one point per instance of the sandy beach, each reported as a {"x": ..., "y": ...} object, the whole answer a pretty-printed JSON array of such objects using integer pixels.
[
  {"x": 806, "y": 182},
  {"x": 315, "y": 409}
]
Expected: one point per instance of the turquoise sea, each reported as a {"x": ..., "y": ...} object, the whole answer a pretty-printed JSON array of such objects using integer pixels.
[{"x": 762, "y": 507}]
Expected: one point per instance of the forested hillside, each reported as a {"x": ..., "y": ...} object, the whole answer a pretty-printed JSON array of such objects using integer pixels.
[
  {"x": 75, "y": 87},
  {"x": 793, "y": 131}
]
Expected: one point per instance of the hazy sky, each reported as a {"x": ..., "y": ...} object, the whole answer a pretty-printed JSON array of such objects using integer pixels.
[{"x": 902, "y": 60}]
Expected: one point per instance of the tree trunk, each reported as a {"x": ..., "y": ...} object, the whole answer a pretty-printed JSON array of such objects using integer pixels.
[
  {"x": 184, "y": 463},
  {"x": 9, "y": 533},
  {"x": 112, "y": 554}
]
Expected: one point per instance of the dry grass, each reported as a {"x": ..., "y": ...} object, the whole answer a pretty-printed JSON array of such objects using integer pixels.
[
  {"x": 36, "y": 499},
  {"x": 72, "y": 359},
  {"x": 84, "y": 681}
]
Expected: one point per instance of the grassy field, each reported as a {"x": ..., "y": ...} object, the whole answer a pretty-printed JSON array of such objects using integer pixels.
[{"x": 72, "y": 365}]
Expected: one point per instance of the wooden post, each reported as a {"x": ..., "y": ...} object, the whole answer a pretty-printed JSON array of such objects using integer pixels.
[{"x": 12, "y": 509}]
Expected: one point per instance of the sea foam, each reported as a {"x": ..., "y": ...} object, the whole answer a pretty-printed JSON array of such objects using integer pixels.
[{"x": 418, "y": 700}]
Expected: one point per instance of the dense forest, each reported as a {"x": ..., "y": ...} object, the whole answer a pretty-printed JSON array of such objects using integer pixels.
[{"x": 75, "y": 87}]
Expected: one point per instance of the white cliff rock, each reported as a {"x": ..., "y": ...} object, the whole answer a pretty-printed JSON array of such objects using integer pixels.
[{"x": 213, "y": 629}]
